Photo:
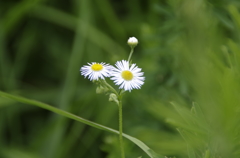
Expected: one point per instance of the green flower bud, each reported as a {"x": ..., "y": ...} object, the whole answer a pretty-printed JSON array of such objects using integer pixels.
[
  {"x": 101, "y": 89},
  {"x": 113, "y": 98}
]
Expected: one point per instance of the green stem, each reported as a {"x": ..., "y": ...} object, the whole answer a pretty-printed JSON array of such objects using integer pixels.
[
  {"x": 109, "y": 86},
  {"x": 120, "y": 127},
  {"x": 130, "y": 55}
]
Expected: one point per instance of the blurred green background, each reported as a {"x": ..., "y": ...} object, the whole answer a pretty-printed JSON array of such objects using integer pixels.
[{"x": 189, "y": 53}]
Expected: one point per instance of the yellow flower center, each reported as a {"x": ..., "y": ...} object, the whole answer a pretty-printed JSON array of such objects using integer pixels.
[
  {"x": 97, "y": 67},
  {"x": 127, "y": 75}
]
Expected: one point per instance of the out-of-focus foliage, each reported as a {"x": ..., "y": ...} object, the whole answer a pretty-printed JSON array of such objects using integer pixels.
[{"x": 189, "y": 52}]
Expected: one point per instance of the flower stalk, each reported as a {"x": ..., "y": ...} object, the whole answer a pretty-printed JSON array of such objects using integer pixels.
[
  {"x": 130, "y": 55},
  {"x": 120, "y": 127}
]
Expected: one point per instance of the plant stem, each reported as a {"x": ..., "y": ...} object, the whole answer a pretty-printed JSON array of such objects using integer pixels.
[
  {"x": 109, "y": 86},
  {"x": 130, "y": 55},
  {"x": 120, "y": 127}
]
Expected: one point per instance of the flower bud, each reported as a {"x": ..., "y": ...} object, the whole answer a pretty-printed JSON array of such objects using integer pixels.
[
  {"x": 132, "y": 42},
  {"x": 101, "y": 89},
  {"x": 113, "y": 98}
]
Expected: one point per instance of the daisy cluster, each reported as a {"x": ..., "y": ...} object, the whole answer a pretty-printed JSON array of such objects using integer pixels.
[{"x": 125, "y": 75}]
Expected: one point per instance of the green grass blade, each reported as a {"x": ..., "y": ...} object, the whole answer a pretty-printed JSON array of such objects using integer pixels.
[
  {"x": 16, "y": 14},
  {"x": 69, "y": 21},
  {"x": 139, "y": 143}
]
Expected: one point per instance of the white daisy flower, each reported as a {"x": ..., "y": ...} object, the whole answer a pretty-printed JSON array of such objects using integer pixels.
[
  {"x": 94, "y": 70},
  {"x": 128, "y": 77}
]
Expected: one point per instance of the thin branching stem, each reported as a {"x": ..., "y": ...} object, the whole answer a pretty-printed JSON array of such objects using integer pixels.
[
  {"x": 130, "y": 55},
  {"x": 109, "y": 86}
]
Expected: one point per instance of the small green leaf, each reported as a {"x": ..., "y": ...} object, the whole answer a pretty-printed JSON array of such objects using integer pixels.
[{"x": 191, "y": 153}]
